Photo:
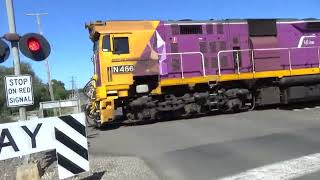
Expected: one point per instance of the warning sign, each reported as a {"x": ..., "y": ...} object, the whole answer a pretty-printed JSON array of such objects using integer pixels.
[{"x": 19, "y": 90}]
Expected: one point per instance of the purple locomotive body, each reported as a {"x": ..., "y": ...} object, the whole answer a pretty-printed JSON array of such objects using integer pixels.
[
  {"x": 183, "y": 68},
  {"x": 197, "y": 48}
]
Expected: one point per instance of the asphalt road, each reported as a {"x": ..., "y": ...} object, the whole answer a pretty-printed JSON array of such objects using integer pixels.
[{"x": 218, "y": 146}]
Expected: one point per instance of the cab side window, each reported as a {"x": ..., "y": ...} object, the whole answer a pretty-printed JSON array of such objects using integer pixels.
[
  {"x": 106, "y": 43},
  {"x": 121, "y": 45}
]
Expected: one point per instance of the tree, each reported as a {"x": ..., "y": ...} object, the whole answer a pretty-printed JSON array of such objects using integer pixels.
[
  {"x": 59, "y": 91},
  {"x": 3, "y": 107}
]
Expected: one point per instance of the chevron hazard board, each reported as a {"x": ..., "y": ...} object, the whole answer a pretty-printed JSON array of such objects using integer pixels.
[
  {"x": 71, "y": 146},
  {"x": 66, "y": 134}
]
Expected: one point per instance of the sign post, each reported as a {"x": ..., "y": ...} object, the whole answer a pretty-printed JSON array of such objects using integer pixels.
[
  {"x": 19, "y": 90},
  {"x": 15, "y": 50},
  {"x": 33, "y": 46}
]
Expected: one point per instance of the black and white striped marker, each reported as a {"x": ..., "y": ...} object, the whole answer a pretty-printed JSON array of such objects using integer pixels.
[{"x": 71, "y": 145}]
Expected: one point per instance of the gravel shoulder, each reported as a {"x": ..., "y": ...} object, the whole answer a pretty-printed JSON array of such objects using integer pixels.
[{"x": 101, "y": 167}]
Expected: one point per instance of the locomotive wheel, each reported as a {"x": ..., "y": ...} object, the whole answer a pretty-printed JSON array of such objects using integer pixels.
[
  {"x": 90, "y": 121},
  {"x": 131, "y": 119},
  {"x": 98, "y": 124},
  {"x": 89, "y": 117},
  {"x": 235, "y": 105}
]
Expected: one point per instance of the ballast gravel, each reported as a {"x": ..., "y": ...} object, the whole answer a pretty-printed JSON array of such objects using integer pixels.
[{"x": 104, "y": 168}]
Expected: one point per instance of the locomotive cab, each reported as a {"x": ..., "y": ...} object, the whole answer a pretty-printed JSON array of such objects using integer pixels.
[{"x": 117, "y": 52}]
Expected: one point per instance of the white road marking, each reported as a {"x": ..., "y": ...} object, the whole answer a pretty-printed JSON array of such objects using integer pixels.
[
  {"x": 296, "y": 109},
  {"x": 282, "y": 170}
]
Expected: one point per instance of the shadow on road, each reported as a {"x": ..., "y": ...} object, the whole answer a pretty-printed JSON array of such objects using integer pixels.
[
  {"x": 120, "y": 121},
  {"x": 93, "y": 135},
  {"x": 291, "y": 106}
]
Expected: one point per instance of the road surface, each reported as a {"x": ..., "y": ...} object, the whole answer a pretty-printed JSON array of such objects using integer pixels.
[{"x": 283, "y": 143}]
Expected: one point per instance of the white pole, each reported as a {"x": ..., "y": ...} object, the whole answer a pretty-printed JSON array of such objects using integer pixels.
[{"x": 15, "y": 50}]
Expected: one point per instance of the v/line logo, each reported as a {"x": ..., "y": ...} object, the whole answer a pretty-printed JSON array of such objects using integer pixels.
[{"x": 306, "y": 40}]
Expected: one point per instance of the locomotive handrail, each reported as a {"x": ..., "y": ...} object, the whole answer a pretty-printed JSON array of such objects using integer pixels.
[
  {"x": 263, "y": 49},
  {"x": 181, "y": 65}
]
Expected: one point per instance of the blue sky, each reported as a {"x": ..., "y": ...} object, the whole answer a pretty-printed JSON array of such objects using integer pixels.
[{"x": 71, "y": 47}]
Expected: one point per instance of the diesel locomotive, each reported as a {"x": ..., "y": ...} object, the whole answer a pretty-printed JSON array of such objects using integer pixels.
[{"x": 159, "y": 69}]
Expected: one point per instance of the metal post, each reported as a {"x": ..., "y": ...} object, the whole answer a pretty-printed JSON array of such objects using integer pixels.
[
  {"x": 15, "y": 50},
  {"x": 290, "y": 65},
  {"x": 252, "y": 59},
  {"x": 16, "y": 59},
  {"x": 181, "y": 66},
  {"x": 59, "y": 108},
  {"x": 219, "y": 68},
  {"x": 238, "y": 62},
  {"x": 41, "y": 110},
  {"x": 79, "y": 106},
  {"x": 203, "y": 64}
]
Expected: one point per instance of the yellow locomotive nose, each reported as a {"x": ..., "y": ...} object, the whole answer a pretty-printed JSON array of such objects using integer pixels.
[{"x": 118, "y": 46}]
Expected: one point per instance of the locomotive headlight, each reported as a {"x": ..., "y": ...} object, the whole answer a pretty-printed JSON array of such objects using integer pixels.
[
  {"x": 112, "y": 93},
  {"x": 142, "y": 88}
]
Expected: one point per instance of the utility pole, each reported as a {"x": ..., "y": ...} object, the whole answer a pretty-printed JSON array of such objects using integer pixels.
[
  {"x": 38, "y": 15},
  {"x": 72, "y": 87},
  {"x": 14, "y": 49},
  {"x": 74, "y": 91}
]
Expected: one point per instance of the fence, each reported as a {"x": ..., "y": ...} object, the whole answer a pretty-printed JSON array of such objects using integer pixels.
[{"x": 59, "y": 105}]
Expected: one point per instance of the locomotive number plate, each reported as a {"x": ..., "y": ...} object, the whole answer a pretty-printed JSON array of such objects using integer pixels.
[{"x": 123, "y": 69}]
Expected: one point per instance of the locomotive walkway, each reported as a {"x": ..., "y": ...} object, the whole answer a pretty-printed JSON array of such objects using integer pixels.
[{"x": 261, "y": 143}]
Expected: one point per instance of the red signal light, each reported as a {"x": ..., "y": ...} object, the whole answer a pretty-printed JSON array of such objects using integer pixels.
[{"x": 33, "y": 44}]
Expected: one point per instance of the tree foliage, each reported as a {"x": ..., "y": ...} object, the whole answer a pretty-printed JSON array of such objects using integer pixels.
[
  {"x": 59, "y": 91},
  {"x": 40, "y": 89}
]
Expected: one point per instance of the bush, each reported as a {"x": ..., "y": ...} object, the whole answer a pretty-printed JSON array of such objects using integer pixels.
[{"x": 5, "y": 118}]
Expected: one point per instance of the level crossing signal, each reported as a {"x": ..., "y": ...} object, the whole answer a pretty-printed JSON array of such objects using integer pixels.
[
  {"x": 31, "y": 45},
  {"x": 4, "y": 51}
]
